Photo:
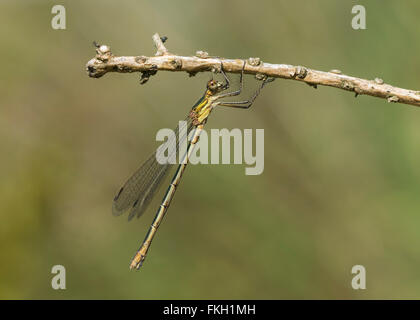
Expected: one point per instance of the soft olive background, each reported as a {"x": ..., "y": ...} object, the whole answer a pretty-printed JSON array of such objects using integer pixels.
[{"x": 341, "y": 183}]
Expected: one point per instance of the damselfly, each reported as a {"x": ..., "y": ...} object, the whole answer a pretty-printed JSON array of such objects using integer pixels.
[{"x": 139, "y": 190}]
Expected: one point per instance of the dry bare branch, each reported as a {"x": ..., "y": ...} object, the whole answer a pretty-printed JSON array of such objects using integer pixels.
[{"x": 105, "y": 62}]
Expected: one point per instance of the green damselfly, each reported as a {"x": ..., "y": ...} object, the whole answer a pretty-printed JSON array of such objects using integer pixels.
[{"x": 139, "y": 190}]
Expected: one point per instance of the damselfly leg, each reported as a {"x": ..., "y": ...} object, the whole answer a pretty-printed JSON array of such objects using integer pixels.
[
  {"x": 241, "y": 82},
  {"x": 246, "y": 104}
]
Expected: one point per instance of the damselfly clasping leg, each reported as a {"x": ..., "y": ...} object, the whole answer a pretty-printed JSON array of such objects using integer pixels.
[{"x": 138, "y": 191}]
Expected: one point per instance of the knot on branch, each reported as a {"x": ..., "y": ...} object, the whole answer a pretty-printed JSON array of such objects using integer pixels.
[
  {"x": 347, "y": 85},
  {"x": 202, "y": 54},
  {"x": 140, "y": 59},
  {"x": 299, "y": 72},
  {"x": 255, "y": 62},
  {"x": 176, "y": 63}
]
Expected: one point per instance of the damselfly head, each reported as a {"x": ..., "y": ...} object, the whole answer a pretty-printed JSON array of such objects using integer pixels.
[{"x": 215, "y": 86}]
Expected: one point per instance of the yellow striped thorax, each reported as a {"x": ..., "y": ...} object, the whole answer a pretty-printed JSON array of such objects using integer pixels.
[{"x": 201, "y": 110}]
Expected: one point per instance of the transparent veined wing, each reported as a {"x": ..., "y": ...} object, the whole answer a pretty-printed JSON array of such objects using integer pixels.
[{"x": 138, "y": 191}]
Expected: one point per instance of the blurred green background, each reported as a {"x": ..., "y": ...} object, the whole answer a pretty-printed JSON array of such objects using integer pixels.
[{"x": 341, "y": 183}]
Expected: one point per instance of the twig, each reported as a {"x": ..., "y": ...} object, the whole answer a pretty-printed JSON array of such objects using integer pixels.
[
  {"x": 161, "y": 49},
  {"x": 105, "y": 62}
]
